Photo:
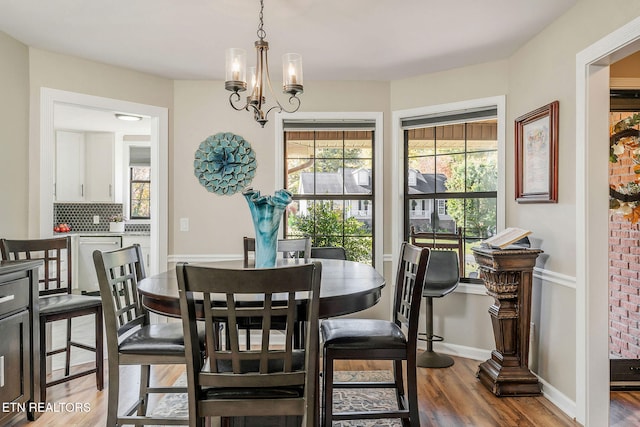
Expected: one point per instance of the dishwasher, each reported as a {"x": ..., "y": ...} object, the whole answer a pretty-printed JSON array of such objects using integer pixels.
[{"x": 87, "y": 277}]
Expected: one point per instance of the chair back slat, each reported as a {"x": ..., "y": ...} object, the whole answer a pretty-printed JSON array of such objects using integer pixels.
[
  {"x": 289, "y": 248},
  {"x": 287, "y": 295},
  {"x": 329, "y": 252},
  {"x": 409, "y": 283},
  {"x": 119, "y": 272},
  {"x": 56, "y": 254},
  {"x": 441, "y": 241}
]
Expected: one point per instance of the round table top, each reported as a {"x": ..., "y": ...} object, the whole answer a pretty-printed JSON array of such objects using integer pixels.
[{"x": 345, "y": 287}]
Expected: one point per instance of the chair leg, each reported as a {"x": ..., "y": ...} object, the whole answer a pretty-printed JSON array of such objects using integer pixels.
[
  {"x": 412, "y": 394},
  {"x": 327, "y": 390},
  {"x": 398, "y": 379},
  {"x": 67, "y": 351},
  {"x": 99, "y": 349},
  {"x": 144, "y": 386},
  {"x": 113, "y": 393},
  {"x": 43, "y": 359}
]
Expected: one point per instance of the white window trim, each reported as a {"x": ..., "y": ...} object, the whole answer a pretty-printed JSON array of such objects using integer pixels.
[
  {"x": 397, "y": 166},
  {"x": 377, "y": 162}
]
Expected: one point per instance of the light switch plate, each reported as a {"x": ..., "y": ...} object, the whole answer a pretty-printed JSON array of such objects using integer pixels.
[{"x": 184, "y": 224}]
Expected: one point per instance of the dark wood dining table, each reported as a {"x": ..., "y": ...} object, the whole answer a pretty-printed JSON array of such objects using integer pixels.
[{"x": 346, "y": 287}]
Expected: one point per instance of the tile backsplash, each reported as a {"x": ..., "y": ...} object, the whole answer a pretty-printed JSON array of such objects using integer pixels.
[{"x": 79, "y": 216}]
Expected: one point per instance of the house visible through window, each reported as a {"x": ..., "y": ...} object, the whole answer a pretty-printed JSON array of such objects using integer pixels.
[
  {"x": 451, "y": 177},
  {"x": 330, "y": 172}
]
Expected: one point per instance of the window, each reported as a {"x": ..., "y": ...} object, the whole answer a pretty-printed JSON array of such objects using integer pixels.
[
  {"x": 140, "y": 192},
  {"x": 329, "y": 168},
  {"x": 451, "y": 177},
  {"x": 139, "y": 182}
]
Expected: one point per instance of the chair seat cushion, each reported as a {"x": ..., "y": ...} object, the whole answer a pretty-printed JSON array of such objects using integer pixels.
[
  {"x": 66, "y": 302},
  {"x": 253, "y": 393},
  {"x": 362, "y": 334},
  {"x": 162, "y": 338}
]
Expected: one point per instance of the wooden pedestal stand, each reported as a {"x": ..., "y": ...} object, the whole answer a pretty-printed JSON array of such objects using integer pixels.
[{"x": 507, "y": 275}]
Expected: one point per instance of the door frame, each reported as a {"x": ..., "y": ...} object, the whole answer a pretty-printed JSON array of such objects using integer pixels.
[
  {"x": 159, "y": 159},
  {"x": 592, "y": 220}
]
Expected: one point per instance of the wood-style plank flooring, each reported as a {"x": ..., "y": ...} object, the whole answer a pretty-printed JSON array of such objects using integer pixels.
[{"x": 451, "y": 397}]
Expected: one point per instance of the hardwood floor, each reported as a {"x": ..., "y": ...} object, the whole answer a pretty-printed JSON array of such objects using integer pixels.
[
  {"x": 451, "y": 397},
  {"x": 448, "y": 397}
]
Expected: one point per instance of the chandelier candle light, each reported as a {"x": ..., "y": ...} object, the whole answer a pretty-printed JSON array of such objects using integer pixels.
[{"x": 236, "y": 78}]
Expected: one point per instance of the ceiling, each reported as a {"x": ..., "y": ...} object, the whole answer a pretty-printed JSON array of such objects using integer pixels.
[
  {"x": 338, "y": 39},
  {"x": 73, "y": 117}
]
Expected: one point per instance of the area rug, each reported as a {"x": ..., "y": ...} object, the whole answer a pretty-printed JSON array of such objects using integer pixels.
[{"x": 343, "y": 400}]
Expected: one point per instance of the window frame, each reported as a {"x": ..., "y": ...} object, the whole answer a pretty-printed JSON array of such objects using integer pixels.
[
  {"x": 377, "y": 164},
  {"x": 439, "y": 200},
  {"x": 138, "y": 181},
  {"x": 398, "y": 159}
]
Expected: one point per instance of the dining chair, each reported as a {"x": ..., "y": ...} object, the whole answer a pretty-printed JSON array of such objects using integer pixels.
[
  {"x": 441, "y": 279},
  {"x": 272, "y": 378},
  {"x": 289, "y": 248},
  {"x": 329, "y": 252},
  {"x": 131, "y": 338},
  {"x": 375, "y": 339},
  {"x": 57, "y": 302}
]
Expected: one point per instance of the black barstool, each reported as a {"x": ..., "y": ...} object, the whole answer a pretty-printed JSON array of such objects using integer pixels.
[{"x": 443, "y": 274}]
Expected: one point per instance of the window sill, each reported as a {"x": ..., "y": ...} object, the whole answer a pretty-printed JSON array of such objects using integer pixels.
[{"x": 471, "y": 288}]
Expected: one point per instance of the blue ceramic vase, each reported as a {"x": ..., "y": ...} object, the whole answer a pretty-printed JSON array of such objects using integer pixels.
[{"x": 266, "y": 212}]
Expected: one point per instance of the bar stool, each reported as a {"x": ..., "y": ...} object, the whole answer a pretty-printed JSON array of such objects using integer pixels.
[{"x": 443, "y": 274}]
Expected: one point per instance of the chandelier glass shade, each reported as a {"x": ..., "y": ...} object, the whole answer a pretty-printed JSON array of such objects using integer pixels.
[{"x": 259, "y": 82}]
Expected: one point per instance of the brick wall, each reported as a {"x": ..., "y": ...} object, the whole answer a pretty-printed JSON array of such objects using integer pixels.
[{"x": 624, "y": 271}]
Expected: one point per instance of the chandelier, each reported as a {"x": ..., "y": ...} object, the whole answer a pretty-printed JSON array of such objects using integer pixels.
[{"x": 236, "y": 80}]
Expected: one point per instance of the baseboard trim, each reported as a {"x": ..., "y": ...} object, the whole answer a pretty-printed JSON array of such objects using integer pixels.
[{"x": 559, "y": 399}]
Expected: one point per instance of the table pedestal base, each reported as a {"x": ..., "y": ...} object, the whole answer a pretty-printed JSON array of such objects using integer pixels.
[{"x": 508, "y": 380}]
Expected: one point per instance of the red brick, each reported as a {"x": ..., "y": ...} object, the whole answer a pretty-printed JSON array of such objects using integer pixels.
[
  {"x": 619, "y": 264},
  {"x": 620, "y": 249},
  {"x": 629, "y": 273},
  {"x": 623, "y": 281},
  {"x": 629, "y": 290}
]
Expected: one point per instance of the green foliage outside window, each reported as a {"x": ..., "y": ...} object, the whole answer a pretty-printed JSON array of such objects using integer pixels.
[
  {"x": 326, "y": 227},
  {"x": 477, "y": 214}
]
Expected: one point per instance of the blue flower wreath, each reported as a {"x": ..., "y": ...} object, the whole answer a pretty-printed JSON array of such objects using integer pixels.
[{"x": 225, "y": 163}]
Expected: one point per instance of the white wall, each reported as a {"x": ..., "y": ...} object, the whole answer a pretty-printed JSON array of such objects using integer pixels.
[
  {"x": 55, "y": 71},
  {"x": 14, "y": 137}
]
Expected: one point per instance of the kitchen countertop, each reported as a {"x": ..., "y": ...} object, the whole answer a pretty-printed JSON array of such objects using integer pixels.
[{"x": 103, "y": 233}]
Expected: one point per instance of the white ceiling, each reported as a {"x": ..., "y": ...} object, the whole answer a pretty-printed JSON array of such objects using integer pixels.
[
  {"x": 73, "y": 117},
  {"x": 338, "y": 39}
]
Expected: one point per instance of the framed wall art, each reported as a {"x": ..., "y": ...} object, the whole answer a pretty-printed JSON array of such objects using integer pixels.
[{"x": 536, "y": 137}]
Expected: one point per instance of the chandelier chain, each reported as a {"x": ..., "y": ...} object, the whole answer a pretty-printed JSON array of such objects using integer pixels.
[{"x": 261, "y": 32}]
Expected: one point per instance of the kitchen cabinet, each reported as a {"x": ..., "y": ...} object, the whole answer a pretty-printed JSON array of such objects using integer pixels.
[
  {"x": 69, "y": 185},
  {"x": 19, "y": 329},
  {"x": 84, "y": 166},
  {"x": 145, "y": 246},
  {"x": 99, "y": 149}
]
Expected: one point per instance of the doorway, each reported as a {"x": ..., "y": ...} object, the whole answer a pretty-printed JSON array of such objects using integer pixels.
[
  {"x": 49, "y": 98},
  {"x": 592, "y": 216}
]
